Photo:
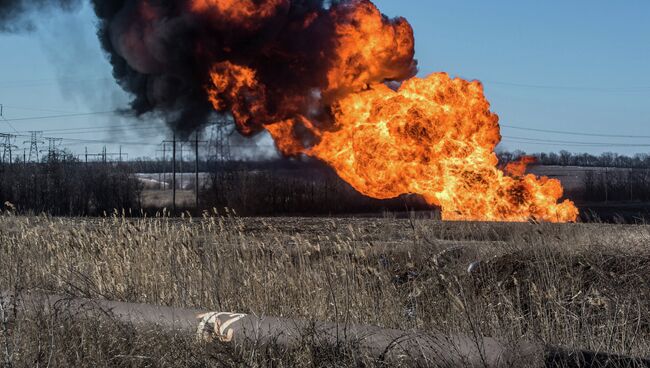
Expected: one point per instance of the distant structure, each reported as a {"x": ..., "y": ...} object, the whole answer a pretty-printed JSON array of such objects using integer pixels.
[
  {"x": 53, "y": 147},
  {"x": 6, "y": 143},
  {"x": 220, "y": 140},
  {"x": 33, "y": 144}
]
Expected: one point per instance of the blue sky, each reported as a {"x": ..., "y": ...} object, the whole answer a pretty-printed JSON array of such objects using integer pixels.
[{"x": 578, "y": 66}]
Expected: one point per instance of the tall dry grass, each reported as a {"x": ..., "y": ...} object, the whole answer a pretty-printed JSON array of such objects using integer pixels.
[{"x": 579, "y": 285}]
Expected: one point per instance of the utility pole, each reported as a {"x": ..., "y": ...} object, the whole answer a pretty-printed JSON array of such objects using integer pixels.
[
  {"x": 86, "y": 154},
  {"x": 174, "y": 174},
  {"x": 120, "y": 153},
  {"x": 196, "y": 168},
  {"x": 181, "y": 166},
  {"x": 105, "y": 154},
  {"x": 164, "y": 178},
  {"x": 182, "y": 172},
  {"x": 164, "y": 175},
  {"x": 173, "y": 143},
  {"x": 164, "y": 167},
  {"x": 606, "y": 185}
]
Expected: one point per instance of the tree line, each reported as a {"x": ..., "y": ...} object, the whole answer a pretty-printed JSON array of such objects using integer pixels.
[
  {"x": 566, "y": 158},
  {"x": 63, "y": 185}
]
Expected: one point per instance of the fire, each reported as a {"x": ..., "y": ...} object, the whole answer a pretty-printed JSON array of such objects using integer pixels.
[
  {"x": 432, "y": 136},
  {"x": 243, "y": 12},
  {"x": 235, "y": 88},
  {"x": 518, "y": 168},
  {"x": 333, "y": 80},
  {"x": 368, "y": 48}
]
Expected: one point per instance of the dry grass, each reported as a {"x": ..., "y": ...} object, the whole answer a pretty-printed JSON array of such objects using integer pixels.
[{"x": 581, "y": 285}]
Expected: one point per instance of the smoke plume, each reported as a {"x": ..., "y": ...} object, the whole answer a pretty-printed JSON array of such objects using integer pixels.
[
  {"x": 15, "y": 14},
  {"x": 262, "y": 61}
]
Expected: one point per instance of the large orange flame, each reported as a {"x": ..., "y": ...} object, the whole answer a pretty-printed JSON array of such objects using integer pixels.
[
  {"x": 433, "y": 136},
  {"x": 369, "y": 49},
  {"x": 235, "y": 88}
]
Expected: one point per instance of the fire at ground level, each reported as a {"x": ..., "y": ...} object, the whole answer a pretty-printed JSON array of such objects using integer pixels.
[{"x": 298, "y": 188}]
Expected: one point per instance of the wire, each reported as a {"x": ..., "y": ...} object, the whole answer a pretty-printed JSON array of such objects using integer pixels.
[
  {"x": 575, "y": 133},
  {"x": 573, "y": 88},
  {"x": 9, "y": 123},
  {"x": 136, "y": 126},
  {"x": 65, "y": 115},
  {"x": 47, "y": 82},
  {"x": 116, "y": 130},
  {"x": 131, "y": 125},
  {"x": 82, "y": 141},
  {"x": 549, "y": 144},
  {"x": 41, "y": 110},
  {"x": 606, "y": 144}
]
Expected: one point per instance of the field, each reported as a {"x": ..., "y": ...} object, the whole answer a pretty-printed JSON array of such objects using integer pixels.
[{"x": 575, "y": 285}]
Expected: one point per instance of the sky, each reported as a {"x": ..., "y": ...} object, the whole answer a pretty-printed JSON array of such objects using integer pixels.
[{"x": 550, "y": 68}]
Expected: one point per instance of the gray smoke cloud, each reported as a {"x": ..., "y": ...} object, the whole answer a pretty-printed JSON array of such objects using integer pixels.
[{"x": 16, "y": 15}]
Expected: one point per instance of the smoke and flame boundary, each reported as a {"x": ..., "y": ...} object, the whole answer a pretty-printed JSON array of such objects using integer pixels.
[{"x": 336, "y": 83}]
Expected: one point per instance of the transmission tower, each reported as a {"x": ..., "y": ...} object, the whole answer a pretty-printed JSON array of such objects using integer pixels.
[
  {"x": 53, "y": 147},
  {"x": 33, "y": 144},
  {"x": 220, "y": 140},
  {"x": 7, "y": 147},
  {"x": 105, "y": 155}
]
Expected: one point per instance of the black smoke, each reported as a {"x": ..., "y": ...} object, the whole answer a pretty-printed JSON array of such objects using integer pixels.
[
  {"x": 162, "y": 55},
  {"x": 169, "y": 77},
  {"x": 15, "y": 15}
]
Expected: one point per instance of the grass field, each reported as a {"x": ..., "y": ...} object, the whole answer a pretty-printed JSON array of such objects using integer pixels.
[{"x": 577, "y": 285}]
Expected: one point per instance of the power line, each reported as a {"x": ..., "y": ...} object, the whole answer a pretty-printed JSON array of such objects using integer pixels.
[
  {"x": 552, "y": 144},
  {"x": 606, "y": 144},
  {"x": 9, "y": 123},
  {"x": 108, "y": 130},
  {"x": 573, "y": 88},
  {"x": 47, "y": 82},
  {"x": 65, "y": 115},
  {"x": 575, "y": 133},
  {"x": 41, "y": 110},
  {"x": 128, "y": 125},
  {"x": 83, "y": 141}
]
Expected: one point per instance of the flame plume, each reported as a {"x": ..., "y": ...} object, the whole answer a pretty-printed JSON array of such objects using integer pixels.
[
  {"x": 334, "y": 82},
  {"x": 434, "y": 137}
]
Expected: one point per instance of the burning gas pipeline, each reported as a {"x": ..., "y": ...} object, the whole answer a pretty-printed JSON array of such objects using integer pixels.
[{"x": 333, "y": 80}]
